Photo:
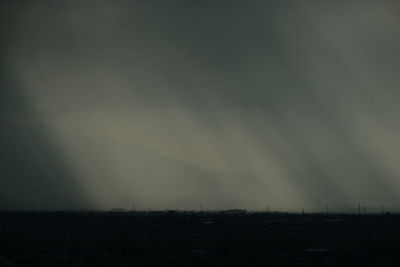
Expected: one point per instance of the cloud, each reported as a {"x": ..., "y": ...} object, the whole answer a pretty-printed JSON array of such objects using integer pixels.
[{"x": 299, "y": 96}]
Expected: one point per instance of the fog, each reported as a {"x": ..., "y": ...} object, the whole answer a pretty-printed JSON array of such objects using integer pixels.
[{"x": 178, "y": 104}]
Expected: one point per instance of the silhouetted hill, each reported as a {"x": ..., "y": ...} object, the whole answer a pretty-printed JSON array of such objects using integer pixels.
[{"x": 125, "y": 172}]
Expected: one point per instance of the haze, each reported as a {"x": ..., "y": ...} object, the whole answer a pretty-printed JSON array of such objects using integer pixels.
[{"x": 174, "y": 104}]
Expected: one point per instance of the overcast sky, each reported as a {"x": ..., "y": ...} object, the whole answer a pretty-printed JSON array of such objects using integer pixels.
[{"x": 169, "y": 104}]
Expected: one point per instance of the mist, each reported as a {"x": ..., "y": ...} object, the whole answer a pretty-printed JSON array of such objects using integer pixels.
[{"x": 177, "y": 104}]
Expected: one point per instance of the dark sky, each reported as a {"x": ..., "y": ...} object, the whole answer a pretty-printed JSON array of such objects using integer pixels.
[{"x": 167, "y": 104}]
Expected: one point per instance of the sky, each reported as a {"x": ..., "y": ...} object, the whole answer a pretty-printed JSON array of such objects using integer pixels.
[{"x": 177, "y": 104}]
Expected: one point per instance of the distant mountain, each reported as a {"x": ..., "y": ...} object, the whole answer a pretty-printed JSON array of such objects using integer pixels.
[{"x": 128, "y": 171}]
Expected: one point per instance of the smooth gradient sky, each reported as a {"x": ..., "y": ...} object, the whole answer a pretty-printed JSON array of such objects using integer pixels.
[{"x": 169, "y": 104}]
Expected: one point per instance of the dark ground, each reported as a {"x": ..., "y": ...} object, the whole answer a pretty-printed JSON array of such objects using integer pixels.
[{"x": 197, "y": 239}]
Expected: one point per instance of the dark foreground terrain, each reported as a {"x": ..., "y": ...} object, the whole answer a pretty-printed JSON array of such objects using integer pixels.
[{"x": 197, "y": 239}]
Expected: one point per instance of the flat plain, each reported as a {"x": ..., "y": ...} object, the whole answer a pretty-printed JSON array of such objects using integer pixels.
[{"x": 171, "y": 238}]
